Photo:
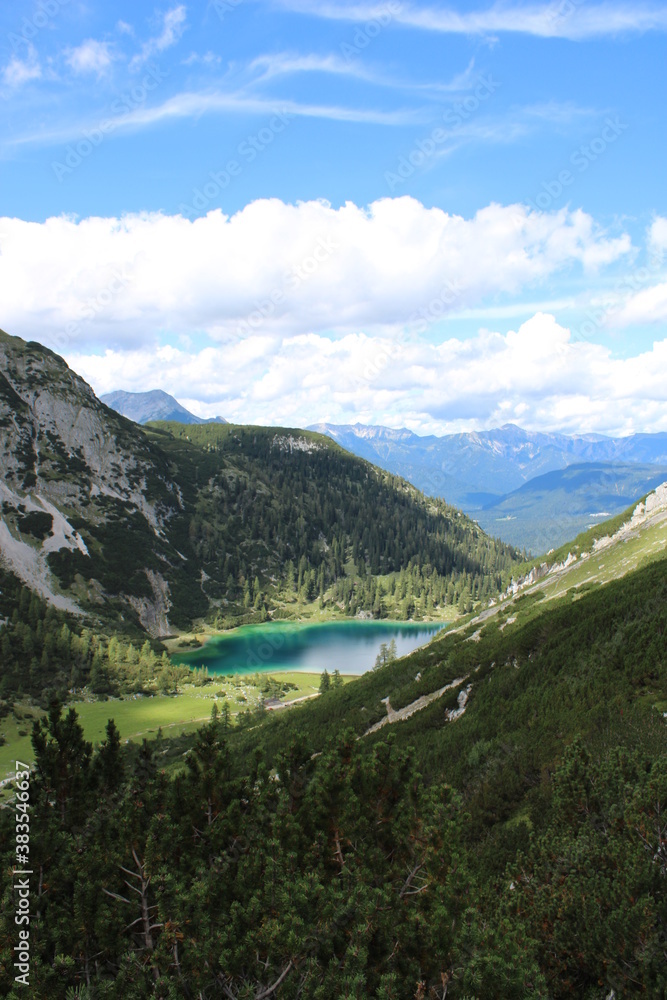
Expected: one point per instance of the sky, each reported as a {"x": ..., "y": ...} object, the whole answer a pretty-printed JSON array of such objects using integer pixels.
[{"x": 438, "y": 216}]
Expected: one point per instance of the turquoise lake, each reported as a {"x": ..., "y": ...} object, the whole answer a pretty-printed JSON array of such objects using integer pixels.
[{"x": 348, "y": 646}]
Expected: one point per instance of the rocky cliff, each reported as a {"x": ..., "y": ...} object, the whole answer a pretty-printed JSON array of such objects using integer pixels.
[{"x": 68, "y": 461}]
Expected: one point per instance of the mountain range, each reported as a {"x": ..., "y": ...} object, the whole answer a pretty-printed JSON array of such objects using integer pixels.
[
  {"x": 143, "y": 407},
  {"x": 169, "y": 523},
  {"x": 493, "y": 475}
]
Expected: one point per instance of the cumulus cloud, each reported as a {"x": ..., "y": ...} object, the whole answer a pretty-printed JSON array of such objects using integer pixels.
[
  {"x": 89, "y": 57},
  {"x": 641, "y": 294},
  {"x": 281, "y": 269},
  {"x": 537, "y": 375},
  {"x": 658, "y": 235},
  {"x": 20, "y": 71},
  {"x": 647, "y": 306}
]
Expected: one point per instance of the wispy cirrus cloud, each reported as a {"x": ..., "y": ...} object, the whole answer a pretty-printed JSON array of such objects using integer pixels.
[
  {"x": 572, "y": 19},
  {"x": 195, "y": 104},
  {"x": 272, "y": 66},
  {"x": 173, "y": 26}
]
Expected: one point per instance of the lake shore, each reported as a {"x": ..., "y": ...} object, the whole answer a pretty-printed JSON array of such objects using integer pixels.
[{"x": 350, "y": 646}]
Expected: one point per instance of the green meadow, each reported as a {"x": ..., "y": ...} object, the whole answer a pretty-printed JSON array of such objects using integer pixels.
[{"x": 138, "y": 717}]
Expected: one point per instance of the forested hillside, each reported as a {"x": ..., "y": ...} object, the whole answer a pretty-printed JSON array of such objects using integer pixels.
[
  {"x": 142, "y": 530},
  {"x": 289, "y": 516},
  {"x": 515, "y": 848}
]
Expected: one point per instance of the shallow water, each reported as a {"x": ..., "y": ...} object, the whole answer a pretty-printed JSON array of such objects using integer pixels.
[{"x": 348, "y": 646}]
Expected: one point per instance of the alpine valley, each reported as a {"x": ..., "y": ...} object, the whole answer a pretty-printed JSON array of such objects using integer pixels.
[
  {"x": 532, "y": 489},
  {"x": 485, "y": 817},
  {"x": 148, "y": 529}
]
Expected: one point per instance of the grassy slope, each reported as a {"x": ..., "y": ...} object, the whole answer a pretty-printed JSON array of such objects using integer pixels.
[
  {"x": 593, "y": 668},
  {"x": 637, "y": 549},
  {"x": 635, "y": 564}
]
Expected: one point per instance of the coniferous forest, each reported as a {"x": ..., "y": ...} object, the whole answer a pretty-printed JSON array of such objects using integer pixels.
[{"x": 520, "y": 851}]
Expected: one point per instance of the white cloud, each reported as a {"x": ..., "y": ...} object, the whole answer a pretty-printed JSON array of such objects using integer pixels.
[
  {"x": 282, "y": 269},
  {"x": 20, "y": 71},
  {"x": 90, "y": 57},
  {"x": 640, "y": 296},
  {"x": 537, "y": 375},
  {"x": 194, "y": 104},
  {"x": 207, "y": 59},
  {"x": 657, "y": 236},
  {"x": 647, "y": 306},
  {"x": 173, "y": 26},
  {"x": 572, "y": 19},
  {"x": 269, "y": 66}
]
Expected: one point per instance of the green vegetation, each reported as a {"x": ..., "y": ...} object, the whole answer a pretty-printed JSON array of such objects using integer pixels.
[
  {"x": 592, "y": 568},
  {"x": 482, "y": 819},
  {"x": 284, "y": 520},
  {"x": 141, "y": 717},
  {"x": 47, "y": 653},
  {"x": 518, "y": 851},
  {"x": 36, "y": 523},
  {"x": 386, "y": 655}
]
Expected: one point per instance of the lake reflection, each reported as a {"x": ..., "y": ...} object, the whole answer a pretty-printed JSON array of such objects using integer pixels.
[{"x": 348, "y": 646}]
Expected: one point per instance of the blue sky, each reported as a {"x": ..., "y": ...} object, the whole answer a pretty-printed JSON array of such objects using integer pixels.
[{"x": 439, "y": 216}]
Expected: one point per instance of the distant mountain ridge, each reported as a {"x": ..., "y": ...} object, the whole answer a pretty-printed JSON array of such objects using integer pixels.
[
  {"x": 481, "y": 471},
  {"x": 142, "y": 407},
  {"x": 550, "y": 509}
]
